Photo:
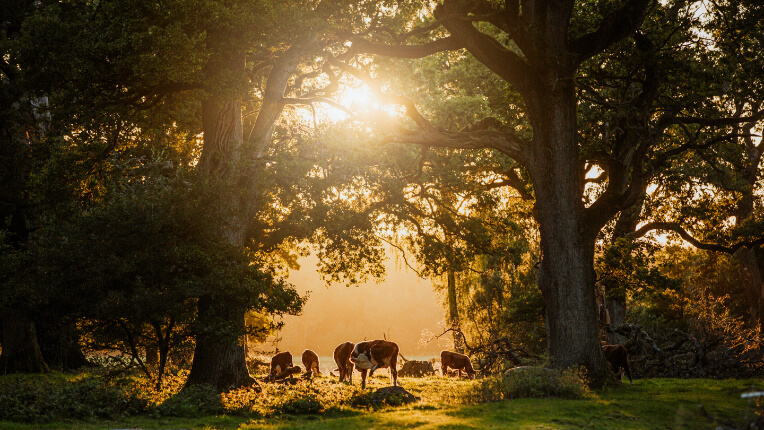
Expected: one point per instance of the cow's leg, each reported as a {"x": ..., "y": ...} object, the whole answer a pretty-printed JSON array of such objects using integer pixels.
[
  {"x": 627, "y": 370},
  {"x": 363, "y": 378},
  {"x": 394, "y": 371},
  {"x": 350, "y": 373},
  {"x": 444, "y": 370}
]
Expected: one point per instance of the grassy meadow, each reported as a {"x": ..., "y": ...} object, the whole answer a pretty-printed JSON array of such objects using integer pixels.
[{"x": 533, "y": 401}]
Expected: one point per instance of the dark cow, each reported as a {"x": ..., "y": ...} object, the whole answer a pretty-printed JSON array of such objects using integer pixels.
[
  {"x": 618, "y": 358},
  {"x": 281, "y": 362},
  {"x": 342, "y": 358},
  {"x": 374, "y": 354},
  {"x": 310, "y": 361},
  {"x": 456, "y": 361}
]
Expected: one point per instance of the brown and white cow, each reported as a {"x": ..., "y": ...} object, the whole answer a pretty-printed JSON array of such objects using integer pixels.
[
  {"x": 374, "y": 354},
  {"x": 342, "y": 358},
  {"x": 618, "y": 358},
  {"x": 456, "y": 361},
  {"x": 310, "y": 361},
  {"x": 281, "y": 362}
]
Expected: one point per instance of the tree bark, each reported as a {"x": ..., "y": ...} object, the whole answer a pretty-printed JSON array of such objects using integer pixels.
[
  {"x": 221, "y": 361},
  {"x": 21, "y": 353},
  {"x": 219, "y": 358},
  {"x": 566, "y": 274}
]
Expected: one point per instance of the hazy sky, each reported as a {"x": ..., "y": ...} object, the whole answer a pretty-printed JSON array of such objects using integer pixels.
[{"x": 403, "y": 306}]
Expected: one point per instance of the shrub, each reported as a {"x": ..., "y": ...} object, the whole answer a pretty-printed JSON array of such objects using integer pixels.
[
  {"x": 530, "y": 381},
  {"x": 40, "y": 400}
]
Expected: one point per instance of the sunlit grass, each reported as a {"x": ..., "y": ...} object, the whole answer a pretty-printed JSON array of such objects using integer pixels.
[{"x": 444, "y": 402}]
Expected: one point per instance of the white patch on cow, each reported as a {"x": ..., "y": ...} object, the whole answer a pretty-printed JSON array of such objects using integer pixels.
[
  {"x": 277, "y": 369},
  {"x": 363, "y": 362}
]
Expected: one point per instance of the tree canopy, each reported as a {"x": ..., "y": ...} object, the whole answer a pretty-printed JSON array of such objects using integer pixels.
[{"x": 184, "y": 150}]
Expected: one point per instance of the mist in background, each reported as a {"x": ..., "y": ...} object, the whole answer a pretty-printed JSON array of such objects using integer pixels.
[{"x": 403, "y": 307}]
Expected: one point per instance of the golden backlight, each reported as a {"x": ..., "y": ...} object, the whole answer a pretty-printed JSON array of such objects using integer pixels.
[{"x": 402, "y": 307}]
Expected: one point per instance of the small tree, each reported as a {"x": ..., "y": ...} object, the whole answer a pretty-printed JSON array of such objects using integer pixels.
[{"x": 135, "y": 266}]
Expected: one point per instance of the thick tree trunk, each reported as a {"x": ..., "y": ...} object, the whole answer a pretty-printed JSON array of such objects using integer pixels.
[
  {"x": 21, "y": 353},
  {"x": 566, "y": 275},
  {"x": 219, "y": 358},
  {"x": 222, "y": 361},
  {"x": 453, "y": 313}
]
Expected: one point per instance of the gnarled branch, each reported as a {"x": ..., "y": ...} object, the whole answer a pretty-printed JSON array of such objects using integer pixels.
[{"x": 678, "y": 229}]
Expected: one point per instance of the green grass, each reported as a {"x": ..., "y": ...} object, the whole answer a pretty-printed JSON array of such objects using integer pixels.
[{"x": 648, "y": 404}]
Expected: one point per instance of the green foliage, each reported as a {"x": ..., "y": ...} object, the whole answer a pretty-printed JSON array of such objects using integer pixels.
[
  {"x": 628, "y": 267},
  {"x": 652, "y": 403},
  {"x": 26, "y": 399},
  {"x": 695, "y": 277},
  {"x": 133, "y": 267},
  {"x": 531, "y": 381}
]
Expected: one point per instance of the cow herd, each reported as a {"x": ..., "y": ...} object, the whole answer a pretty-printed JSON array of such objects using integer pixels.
[
  {"x": 370, "y": 355},
  {"x": 365, "y": 357}
]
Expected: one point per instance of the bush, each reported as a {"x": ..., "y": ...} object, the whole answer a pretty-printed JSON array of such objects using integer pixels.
[
  {"x": 39, "y": 400},
  {"x": 530, "y": 381}
]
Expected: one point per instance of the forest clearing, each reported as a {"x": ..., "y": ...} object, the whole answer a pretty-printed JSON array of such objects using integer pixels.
[
  {"x": 207, "y": 206},
  {"x": 327, "y": 403}
]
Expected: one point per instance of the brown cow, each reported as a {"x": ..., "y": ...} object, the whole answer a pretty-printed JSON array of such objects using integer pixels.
[
  {"x": 310, "y": 361},
  {"x": 374, "y": 354},
  {"x": 281, "y": 362},
  {"x": 342, "y": 358},
  {"x": 618, "y": 358},
  {"x": 456, "y": 361}
]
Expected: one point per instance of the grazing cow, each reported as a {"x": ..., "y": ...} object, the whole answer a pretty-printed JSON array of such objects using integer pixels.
[
  {"x": 373, "y": 354},
  {"x": 456, "y": 361},
  {"x": 310, "y": 361},
  {"x": 281, "y": 362},
  {"x": 342, "y": 358},
  {"x": 618, "y": 358}
]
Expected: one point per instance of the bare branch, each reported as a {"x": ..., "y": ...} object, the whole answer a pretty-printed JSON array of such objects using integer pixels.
[
  {"x": 489, "y": 51},
  {"x": 717, "y": 121},
  {"x": 311, "y": 101},
  {"x": 678, "y": 229},
  {"x": 403, "y": 253}
]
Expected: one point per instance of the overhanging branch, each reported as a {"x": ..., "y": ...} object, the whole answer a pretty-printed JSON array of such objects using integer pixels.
[{"x": 678, "y": 229}]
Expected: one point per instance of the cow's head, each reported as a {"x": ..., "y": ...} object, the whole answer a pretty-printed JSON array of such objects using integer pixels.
[{"x": 361, "y": 356}]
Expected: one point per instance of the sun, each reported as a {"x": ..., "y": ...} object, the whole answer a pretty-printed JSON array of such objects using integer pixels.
[{"x": 358, "y": 99}]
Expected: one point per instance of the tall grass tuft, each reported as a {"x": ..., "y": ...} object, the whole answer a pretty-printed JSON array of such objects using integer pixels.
[{"x": 531, "y": 381}]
